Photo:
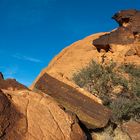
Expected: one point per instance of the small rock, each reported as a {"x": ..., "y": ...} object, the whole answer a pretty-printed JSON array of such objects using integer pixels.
[
  {"x": 130, "y": 52},
  {"x": 132, "y": 128},
  {"x": 10, "y": 84},
  {"x": 118, "y": 89}
]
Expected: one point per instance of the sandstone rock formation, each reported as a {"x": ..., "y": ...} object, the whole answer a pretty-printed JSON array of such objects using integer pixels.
[
  {"x": 25, "y": 115},
  {"x": 129, "y": 18},
  {"x": 10, "y": 84},
  {"x": 132, "y": 128},
  {"x": 8, "y": 117},
  {"x": 91, "y": 113},
  {"x": 72, "y": 59},
  {"x": 128, "y": 32},
  {"x": 48, "y": 111},
  {"x": 121, "y": 46}
]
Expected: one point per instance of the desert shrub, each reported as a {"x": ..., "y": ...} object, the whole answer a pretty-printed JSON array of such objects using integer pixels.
[
  {"x": 124, "y": 109},
  {"x": 134, "y": 78},
  {"x": 132, "y": 70},
  {"x": 100, "y": 81},
  {"x": 86, "y": 75}
]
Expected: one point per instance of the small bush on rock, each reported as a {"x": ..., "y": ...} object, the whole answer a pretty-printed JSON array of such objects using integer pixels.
[
  {"x": 134, "y": 78},
  {"x": 119, "y": 93},
  {"x": 124, "y": 109}
]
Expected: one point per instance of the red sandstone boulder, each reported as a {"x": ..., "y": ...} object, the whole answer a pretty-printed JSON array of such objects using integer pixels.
[
  {"x": 10, "y": 84},
  {"x": 127, "y": 33},
  {"x": 132, "y": 128},
  {"x": 91, "y": 113},
  {"x": 25, "y": 115}
]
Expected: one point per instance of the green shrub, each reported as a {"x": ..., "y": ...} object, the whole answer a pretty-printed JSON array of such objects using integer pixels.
[
  {"x": 100, "y": 81},
  {"x": 131, "y": 69},
  {"x": 134, "y": 78},
  {"x": 125, "y": 109}
]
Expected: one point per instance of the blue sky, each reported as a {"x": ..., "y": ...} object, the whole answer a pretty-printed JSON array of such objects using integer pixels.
[{"x": 32, "y": 32}]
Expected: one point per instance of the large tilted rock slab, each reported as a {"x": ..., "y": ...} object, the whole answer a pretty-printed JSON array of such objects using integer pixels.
[
  {"x": 91, "y": 113},
  {"x": 25, "y": 115}
]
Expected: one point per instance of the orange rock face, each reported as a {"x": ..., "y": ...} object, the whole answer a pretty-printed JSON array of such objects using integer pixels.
[
  {"x": 121, "y": 45},
  {"x": 25, "y": 115},
  {"x": 132, "y": 128},
  {"x": 72, "y": 59},
  {"x": 11, "y": 84},
  {"x": 90, "y": 113},
  {"x": 77, "y": 56}
]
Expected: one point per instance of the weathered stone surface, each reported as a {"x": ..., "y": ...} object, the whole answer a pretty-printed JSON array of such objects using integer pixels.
[
  {"x": 137, "y": 48},
  {"x": 130, "y": 19},
  {"x": 132, "y": 128},
  {"x": 10, "y": 84},
  {"x": 127, "y": 33},
  {"x": 9, "y": 116},
  {"x": 1, "y": 76},
  {"x": 122, "y": 46},
  {"x": 25, "y": 115},
  {"x": 91, "y": 113},
  {"x": 120, "y": 36},
  {"x": 79, "y": 55},
  {"x": 72, "y": 59}
]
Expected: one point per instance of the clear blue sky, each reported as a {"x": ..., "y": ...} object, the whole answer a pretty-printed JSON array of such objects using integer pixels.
[{"x": 32, "y": 32}]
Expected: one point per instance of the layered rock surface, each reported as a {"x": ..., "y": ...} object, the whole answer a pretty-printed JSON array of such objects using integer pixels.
[
  {"x": 25, "y": 115},
  {"x": 91, "y": 113},
  {"x": 10, "y": 84},
  {"x": 72, "y": 59},
  {"x": 132, "y": 128},
  {"x": 30, "y": 115},
  {"x": 127, "y": 34},
  {"x": 121, "y": 46}
]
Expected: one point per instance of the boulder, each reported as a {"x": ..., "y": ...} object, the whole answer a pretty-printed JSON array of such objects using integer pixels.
[
  {"x": 132, "y": 128},
  {"x": 120, "y": 45},
  {"x": 25, "y": 115},
  {"x": 70, "y": 60},
  {"x": 8, "y": 118},
  {"x": 127, "y": 33},
  {"x": 130, "y": 19},
  {"x": 11, "y": 84},
  {"x": 79, "y": 54},
  {"x": 91, "y": 113}
]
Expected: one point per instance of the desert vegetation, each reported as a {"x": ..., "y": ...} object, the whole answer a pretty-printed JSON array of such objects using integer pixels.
[{"x": 117, "y": 86}]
